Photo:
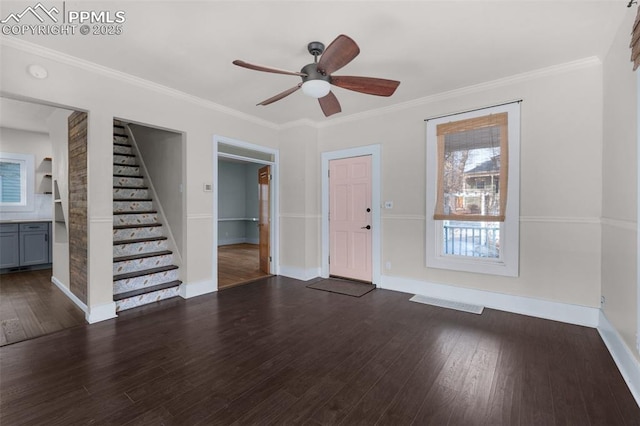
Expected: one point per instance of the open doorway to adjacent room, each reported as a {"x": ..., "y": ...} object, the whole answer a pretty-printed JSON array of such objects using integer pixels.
[
  {"x": 245, "y": 211},
  {"x": 37, "y": 293}
]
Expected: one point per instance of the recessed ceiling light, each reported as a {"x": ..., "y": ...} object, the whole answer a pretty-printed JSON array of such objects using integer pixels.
[{"x": 37, "y": 71}]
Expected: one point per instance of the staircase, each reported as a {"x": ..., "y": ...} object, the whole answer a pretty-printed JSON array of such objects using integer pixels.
[{"x": 143, "y": 266}]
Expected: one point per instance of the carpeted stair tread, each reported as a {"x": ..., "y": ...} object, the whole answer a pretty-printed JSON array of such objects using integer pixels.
[
  {"x": 126, "y": 165},
  {"x": 139, "y": 240},
  {"x": 142, "y": 273},
  {"x": 137, "y": 212},
  {"x": 122, "y": 143},
  {"x": 134, "y": 293},
  {"x": 137, "y": 225},
  {"x": 115, "y": 200},
  {"x": 124, "y": 155},
  {"x": 131, "y": 187},
  {"x": 142, "y": 256}
]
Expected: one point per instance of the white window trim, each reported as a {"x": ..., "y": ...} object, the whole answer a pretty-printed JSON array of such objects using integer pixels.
[
  {"x": 27, "y": 174},
  {"x": 508, "y": 264}
]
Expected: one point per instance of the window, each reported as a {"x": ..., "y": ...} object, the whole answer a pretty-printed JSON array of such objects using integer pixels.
[
  {"x": 16, "y": 182},
  {"x": 472, "y": 191}
]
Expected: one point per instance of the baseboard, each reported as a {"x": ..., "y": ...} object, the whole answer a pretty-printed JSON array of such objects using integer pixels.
[
  {"x": 79, "y": 303},
  {"x": 301, "y": 274},
  {"x": 102, "y": 312},
  {"x": 230, "y": 241},
  {"x": 557, "y": 311},
  {"x": 623, "y": 357},
  {"x": 193, "y": 289}
]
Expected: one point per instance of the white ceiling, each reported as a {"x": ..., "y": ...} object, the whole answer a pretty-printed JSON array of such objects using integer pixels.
[
  {"x": 24, "y": 115},
  {"x": 430, "y": 46}
]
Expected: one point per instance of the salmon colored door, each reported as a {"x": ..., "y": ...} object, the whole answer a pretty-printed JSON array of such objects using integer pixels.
[
  {"x": 350, "y": 218},
  {"x": 264, "y": 222}
]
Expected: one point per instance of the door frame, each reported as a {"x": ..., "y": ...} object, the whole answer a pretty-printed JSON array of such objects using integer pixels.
[
  {"x": 375, "y": 152},
  {"x": 274, "y": 234}
]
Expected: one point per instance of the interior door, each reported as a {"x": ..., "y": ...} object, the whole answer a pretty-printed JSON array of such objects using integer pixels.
[
  {"x": 350, "y": 250},
  {"x": 264, "y": 221}
]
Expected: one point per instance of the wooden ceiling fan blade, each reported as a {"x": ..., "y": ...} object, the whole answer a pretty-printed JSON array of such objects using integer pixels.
[
  {"x": 255, "y": 67},
  {"x": 329, "y": 104},
  {"x": 280, "y": 95},
  {"x": 339, "y": 53},
  {"x": 368, "y": 85}
]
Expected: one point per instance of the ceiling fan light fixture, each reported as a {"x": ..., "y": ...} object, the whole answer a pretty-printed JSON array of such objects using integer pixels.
[{"x": 316, "y": 88}]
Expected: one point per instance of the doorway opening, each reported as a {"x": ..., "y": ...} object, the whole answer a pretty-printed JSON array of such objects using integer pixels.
[
  {"x": 35, "y": 233},
  {"x": 245, "y": 208}
]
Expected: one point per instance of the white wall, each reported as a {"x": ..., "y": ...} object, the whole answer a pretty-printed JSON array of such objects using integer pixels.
[
  {"x": 59, "y": 132},
  {"x": 561, "y": 171},
  {"x": 162, "y": 153},
  {"x": 620, "y": 190},
  {"x": 39, "y": 145}
]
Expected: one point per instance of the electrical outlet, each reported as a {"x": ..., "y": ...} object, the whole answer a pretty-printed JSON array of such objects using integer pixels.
[
  {"x": 388, "y": 204},
  {"x": 207, "y": 187},
  {"x": 603, "y": 300}
]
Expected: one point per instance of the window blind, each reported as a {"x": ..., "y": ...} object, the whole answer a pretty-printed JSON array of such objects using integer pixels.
[
  {"x": 472, "y": 169},
  {"x": 10, "y": 182},
  {"x": 635, "y": 42}
]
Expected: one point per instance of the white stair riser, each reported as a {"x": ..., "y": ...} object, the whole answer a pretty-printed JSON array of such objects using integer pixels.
[
  {"x": 126, "y": 170},
  {"x": 128, "y": 181},
  {"x": 130, "y": 284},
  {"x": 130, "y": 249},
  {"x": 134, "y": 219},
  {"x": 132, "y": 206},
  {"x": 130, "y": 193},
  {"x": 145, "y": 299},
  {"x": 123, "y": 159},
  {"x": 127, "y": 266},
  {"x": 119, "y": 149},
  {"x": 135, "y": 233}
]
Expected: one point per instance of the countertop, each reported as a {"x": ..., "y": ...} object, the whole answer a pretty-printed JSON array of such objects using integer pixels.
[{"x": 25, "y": 220}]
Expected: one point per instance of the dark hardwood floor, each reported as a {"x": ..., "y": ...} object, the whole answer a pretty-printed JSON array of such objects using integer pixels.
[
  {"x": 276, "y": 352},
  {"x": 238, "y": 264},
  {"x": 31, "y": 306}
]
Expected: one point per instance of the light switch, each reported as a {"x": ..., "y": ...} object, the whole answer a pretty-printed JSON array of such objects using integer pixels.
[{"x": 207, "y": 187}]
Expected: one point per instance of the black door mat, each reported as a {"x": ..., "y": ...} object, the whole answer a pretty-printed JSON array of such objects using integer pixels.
[{"x": 348, "y": 288}]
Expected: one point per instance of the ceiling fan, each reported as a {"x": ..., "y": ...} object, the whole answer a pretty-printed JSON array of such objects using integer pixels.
[{"x": 317, "y": 77}]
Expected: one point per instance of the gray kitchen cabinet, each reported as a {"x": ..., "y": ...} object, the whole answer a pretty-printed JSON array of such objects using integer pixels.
[
  {"x": 9, "y": 243},
  {"x": 24, "y": 245},
  {"x": 34, "y": 243}
]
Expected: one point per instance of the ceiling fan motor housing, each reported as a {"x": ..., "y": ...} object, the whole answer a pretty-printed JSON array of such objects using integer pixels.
[{"x": 312, "y": 73}]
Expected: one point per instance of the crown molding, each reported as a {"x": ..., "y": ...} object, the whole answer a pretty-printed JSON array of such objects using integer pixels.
[
  {"x": 501, "y": 82},
  {"x": 141, "y": 82},
  {"x": 66, "y": 59}
]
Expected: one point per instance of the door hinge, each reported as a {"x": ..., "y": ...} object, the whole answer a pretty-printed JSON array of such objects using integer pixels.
[
  {"x": 329, "y": 260},
  {"x": 328, "y": 173},
  {"x": 270, "y": 176},
  {"x": 270, "y": 259}
]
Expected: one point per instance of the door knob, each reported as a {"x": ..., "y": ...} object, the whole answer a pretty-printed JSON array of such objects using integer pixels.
[{"x": 366, "y": 227}]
